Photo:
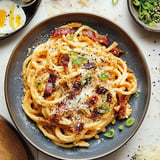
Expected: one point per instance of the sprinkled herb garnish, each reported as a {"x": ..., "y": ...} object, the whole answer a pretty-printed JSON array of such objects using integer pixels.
[
  {"x": 136, "y": 94},
  {"x": 114, "y": 2},
  {"x": 39, "y": 84},
  {"x": 130, "y": 122},
  {"x": 149, "y": 11},
  {"x": 104, "y": 75},
  {"x": 120, "y": 127},
  {"x": 70, "y": 38},
  {"x": 76, "y": 58},
  {"x": 105, "y": 97},
  {"x": 84, "y": 80},
  {"x": 110, "y": 133},
  {"x": 103, "y": 108}
]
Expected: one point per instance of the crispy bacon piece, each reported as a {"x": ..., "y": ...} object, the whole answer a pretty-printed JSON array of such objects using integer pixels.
[
  {"x": 63, "y": 60},
  {"x": 109, "y": 97},
  {"x": 116, "y": 52},
  {"x": 122, "y": 110},
  {"x": 91, "y": 101},
  {"x": 76, "y": 89},
  {"x": 59, "y": 112},
  {"x": 62, "y": 31},
  {"x": 94, "y": 114},
  {"x": 49, "y": 88},
  {"x": 101, "y": 90},
  {"x": 90, "y": 66},
  {"x": 79, "y": 127},
  {"x": 77, "y": 86},
  {"x": 96, "y": 37}
]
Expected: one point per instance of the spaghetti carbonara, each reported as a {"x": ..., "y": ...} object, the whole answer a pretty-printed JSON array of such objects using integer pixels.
[{"x": 75, "y": 85}]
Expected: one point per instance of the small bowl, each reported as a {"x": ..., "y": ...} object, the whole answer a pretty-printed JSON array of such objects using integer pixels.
[
  {"x": 23, "y": 3},
  {"x": 134, "y": 12},
  {"x": 30, "y": 11}
]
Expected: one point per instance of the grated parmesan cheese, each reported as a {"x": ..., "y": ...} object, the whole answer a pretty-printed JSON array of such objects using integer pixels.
[{"x": 79, "y": 101}]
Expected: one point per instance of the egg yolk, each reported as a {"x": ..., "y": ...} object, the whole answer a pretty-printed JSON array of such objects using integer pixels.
[
  {"x": 18, "y": 20},
  {"x": 3, "y": 18}
]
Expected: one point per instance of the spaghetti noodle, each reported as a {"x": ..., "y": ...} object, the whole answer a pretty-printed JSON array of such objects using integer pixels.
[{"x": 75, "y": 85}]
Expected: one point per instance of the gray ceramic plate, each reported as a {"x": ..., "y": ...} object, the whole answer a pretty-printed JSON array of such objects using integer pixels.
[
  {"x": 29, "y": 12},
  {"x": 14, "y": 87},
  {"x": 134, "y": 12}
]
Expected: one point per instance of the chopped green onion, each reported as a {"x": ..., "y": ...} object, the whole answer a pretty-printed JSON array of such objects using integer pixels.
[
  {"x": 110, "y": 134},
  {"x": 39, "y": 84},
  {"x": 104, "y": 75},
  {"x": 152, "y": 24},
  {"x": 70, "y": 38},
  {"x": 104, "y": 110},
  {"x": 71, "y": 52},
  {"x": 130, "y": 122},
  {"x": 136, "y": 2},
  {"x": 76, "y": 58},
  {"x": 83, "y": 82},
  {"x": 114, "y": 2},
  {"x": 105, "y": 97},
  {"x": 136, "y": 94},
  {"x": 88, "y": 75},
  {"x": 120, "y": 127}
]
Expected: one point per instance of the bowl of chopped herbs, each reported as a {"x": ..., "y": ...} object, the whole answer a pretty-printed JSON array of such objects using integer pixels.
[{"x": 146, "y": 13}]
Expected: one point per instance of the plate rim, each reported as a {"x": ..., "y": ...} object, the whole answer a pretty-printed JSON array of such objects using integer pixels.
[{"x": 11, "y": 110}]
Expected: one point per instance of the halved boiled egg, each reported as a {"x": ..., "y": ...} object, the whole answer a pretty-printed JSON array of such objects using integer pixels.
[{"x": 12, "y": 17}]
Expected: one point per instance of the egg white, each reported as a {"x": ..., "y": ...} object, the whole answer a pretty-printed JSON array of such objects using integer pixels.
[{"x": 8, "y": 28}]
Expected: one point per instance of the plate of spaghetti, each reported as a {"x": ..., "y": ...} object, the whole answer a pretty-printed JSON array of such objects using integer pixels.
[{"x": 72, "y": 83}]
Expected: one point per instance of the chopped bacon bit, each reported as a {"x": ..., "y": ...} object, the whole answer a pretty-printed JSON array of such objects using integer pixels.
[
  {"x": 62, "y": 31},
  {"x": 65, "y": 85},
  {"x": 59, "y": 112},
  {"x": 49, "y": 88},
  {"x": 96, "y": 37},
  {"x": 89, "y": 66},
  {"x": 76, "y": 89},
  {"x": 122, "y": 110},
  {"x": 64, "y": 60},
  {"x": 91, "y": 101},
  {"x": 94, "y": 114},
  {"x": 71, "y": 95},
  {"x": 101, "y": 90},
  {"x": 77, "y": 86},
  {"x": 116, "y": 52},
  {"x": 79, "y": 127},
  {"x": 54, "y": 118},
  {"x": 109, "y": 97}
]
